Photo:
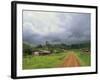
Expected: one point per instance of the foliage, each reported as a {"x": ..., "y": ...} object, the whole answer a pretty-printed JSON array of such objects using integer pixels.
[
  {"x": 54, "y": 48},
  {"x": 79, "y": 46},
  {"x": 27, "y": 49}
]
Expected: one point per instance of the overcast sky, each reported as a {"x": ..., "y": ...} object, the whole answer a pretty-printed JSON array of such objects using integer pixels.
[{"x": 55, "y": 27}]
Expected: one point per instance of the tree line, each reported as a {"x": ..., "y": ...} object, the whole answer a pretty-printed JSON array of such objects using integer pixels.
[{"x": 27, "y": 49}]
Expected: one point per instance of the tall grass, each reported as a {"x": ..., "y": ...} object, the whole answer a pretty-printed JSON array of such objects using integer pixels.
[{"x": 49, "y": 61}]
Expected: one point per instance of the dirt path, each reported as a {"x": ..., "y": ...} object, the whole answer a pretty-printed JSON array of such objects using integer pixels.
[{"x": 71, "y": 61}]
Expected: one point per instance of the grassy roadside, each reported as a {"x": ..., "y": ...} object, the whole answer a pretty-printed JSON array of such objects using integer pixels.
[
  {"x": 49, "y": 61},
  {"x": 85, "y": 58}
]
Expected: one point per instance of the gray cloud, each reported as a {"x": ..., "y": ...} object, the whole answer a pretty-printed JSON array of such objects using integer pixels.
[{"x": 68, "y": 28}]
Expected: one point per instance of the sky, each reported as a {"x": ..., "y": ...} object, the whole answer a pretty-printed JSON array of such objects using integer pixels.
[{"x": 55, "y": 27}]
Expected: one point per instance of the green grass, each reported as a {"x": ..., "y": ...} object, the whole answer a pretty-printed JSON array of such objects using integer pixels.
[
  {"x": 49, "y": 61},
  {"x": 84, "y": 57},
  {"x": 54, "y": 60}
]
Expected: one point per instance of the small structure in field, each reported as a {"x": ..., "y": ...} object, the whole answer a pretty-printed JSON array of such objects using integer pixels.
[
  {"x": 41, "y": 52},
  {"x": 35, "y": 53},
  {"x": 85, "y": 50}
]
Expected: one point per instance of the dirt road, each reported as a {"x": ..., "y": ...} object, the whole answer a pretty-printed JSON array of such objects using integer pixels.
[{"x": 71, "y": 61}]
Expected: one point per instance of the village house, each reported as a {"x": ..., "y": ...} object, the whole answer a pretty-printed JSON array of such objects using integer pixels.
[{"x": 41, "y": 52}]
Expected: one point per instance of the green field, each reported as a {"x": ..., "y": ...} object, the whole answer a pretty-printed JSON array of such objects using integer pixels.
[
  {"x": 48, "y": 61},
  {"x": 54, "y": 60}
]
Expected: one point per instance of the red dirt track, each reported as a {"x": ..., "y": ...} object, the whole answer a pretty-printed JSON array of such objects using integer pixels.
[{"x": 71, "y": 61}]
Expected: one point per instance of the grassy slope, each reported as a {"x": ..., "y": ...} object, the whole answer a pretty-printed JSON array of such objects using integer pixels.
[{"x": 50, "y": 61}]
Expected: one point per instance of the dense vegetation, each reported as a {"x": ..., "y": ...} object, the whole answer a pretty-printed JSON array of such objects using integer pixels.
[{"x": 55, "y": 48}]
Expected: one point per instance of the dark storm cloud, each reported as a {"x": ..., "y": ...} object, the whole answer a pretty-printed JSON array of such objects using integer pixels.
[{"x": 66, "y": 28}]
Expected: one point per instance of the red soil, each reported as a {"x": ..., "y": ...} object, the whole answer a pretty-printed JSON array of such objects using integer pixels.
[{"x": 71, "y": 61}]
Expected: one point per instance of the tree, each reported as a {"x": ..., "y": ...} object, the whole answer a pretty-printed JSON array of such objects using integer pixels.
[
  {"x": 27, "y": 49},
  {"x": 39, "y": 46}
]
